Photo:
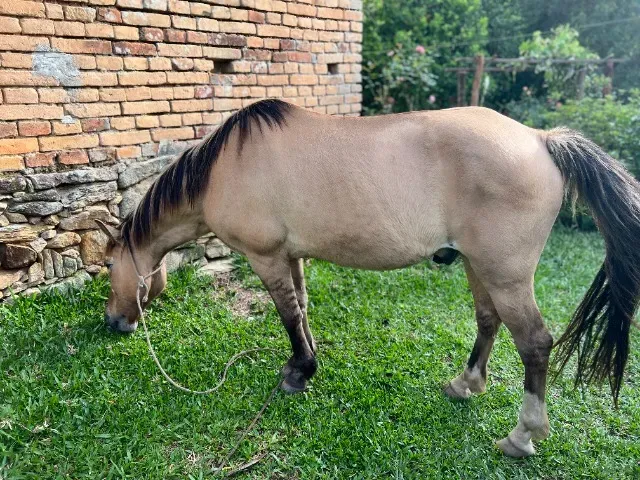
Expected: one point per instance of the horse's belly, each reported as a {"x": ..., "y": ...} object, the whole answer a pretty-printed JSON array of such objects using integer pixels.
[{"x": 374, "y": 250}]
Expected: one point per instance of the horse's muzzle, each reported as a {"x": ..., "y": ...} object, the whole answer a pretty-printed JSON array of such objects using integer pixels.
[{"x": 120, "y": 323}]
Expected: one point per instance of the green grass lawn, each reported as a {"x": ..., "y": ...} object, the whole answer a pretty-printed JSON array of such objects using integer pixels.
[{"x": 77, "y": 401}]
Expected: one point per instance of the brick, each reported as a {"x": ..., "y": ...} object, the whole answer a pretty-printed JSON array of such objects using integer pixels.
[
  {"x": 99, "y": 79},
  {"x": 136, "y": 63},
  {"x": 222, "y": 104},
  {"x": 182, "y": 64},
  {"x": 256, "y": 17},
  {"x": 34, "y": 128},
  {"x": 171, "y": 50},
  {"x": 8, "y": 130},
  {"x": 185, "y": 23},
  {"x": 208, "y": 24},
  {"x": 164, "y": 93},
  {"x": 302, "y": 10},
  {"x": 138, "y": 93},
  {"x": 36, "y": 160},
  {"x": 134, "y": 48},
  {"x": 183, "y": 133},
  {"x": 147, "y": 121},
  {"x": 170, "y": 120},
  {"x": 152, "y": 34},
  {"x": 48, "y": 144},
  {"x": 109, "y": 14},
  {"x": 146, "y": 19},
  {"x": 93, "y": 125},
  {"x": 222, "y": 53},
  {"x": 100, "y": 30},
  {"x": 124, "y": 138},
  {"x": 69, "y": 29},
  {"x": 160, "y": 63},
  {"x": 9, "y": 25},
  {"x": 137, "y": 108},
  {"x": 126, "y": 33},
  {"x": 204, "y": 91},
  {"x": 237, "y": 27},
  {"x": 197, "y": 37},
  {"x": 60, "y": 128},
  {"x": 130, "y": 3},
  {"x": 161, "y": 5},
  {"x": 274, "y": 31},
  {"x": 16, "y": 60},
  {"x": 175, "y": 36},
  {"x": 238, "y": 15},
  {"x": 109, "y": 63},
  {"x": 204, "y": 130},
  {"x": 21, "y": 43},
  {"x": 11, "y": 163},
  {"x": 20, "y": 8},
  {"x": 182, "y": 93},
  {"x": 194, "y": 118},
  {"x": 20, "y": 95},
  {"x": 200, "y": 9},
  {"x": 87, "y": 110},
  {"x": 142, "y": 78},
  {"x": 113, "y": 95},
  {"x": 81, "y": 46},
  {"x": 54, "y": 11},
  {"x": 130, "y": 151},
  {"x": 203, "y": 65},
  {"x": 28, "y": 112},
  {"x": 11, "y": 146},
  {"x": 73, "y": 157},
  {"x": 179, "y": 6},
  {"x": 102, "y": 154},
  {"x": 80, "y": 14},
  {"x": 123, "y": 123},
  {"x": 191, "y": 105}
]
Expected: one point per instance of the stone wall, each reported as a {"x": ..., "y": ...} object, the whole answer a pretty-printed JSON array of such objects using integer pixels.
[{"x": 97, "y": 96}]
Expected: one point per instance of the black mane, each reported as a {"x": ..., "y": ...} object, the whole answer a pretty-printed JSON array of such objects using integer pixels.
[{"x": 189, "y": 174}]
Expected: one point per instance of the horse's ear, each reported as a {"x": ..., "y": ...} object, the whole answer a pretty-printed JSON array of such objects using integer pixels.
[{"x": 111, "y": 232}]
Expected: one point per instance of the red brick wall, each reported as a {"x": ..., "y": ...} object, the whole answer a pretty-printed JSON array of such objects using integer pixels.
[
  {"x": 154, "y": 70},
  {"x": 105, "y": 84}
]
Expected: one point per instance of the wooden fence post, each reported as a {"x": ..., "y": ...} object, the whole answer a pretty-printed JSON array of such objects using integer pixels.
[
  {"x": 477, "y": 80},
  {"x": 462, "y": 86},
  {"x": 608, "y": 71}
]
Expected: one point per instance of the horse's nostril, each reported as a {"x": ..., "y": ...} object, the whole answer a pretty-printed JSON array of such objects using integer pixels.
[{"x": 107, "y": 318}]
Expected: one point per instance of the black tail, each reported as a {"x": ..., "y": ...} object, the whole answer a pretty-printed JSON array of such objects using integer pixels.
[{"x": 599, "y": 329}]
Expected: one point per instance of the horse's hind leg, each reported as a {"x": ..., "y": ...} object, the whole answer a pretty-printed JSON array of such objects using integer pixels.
[
  {"x": 275, "y": 272},
  {"x": 297, "y": 272},
  {"x": 511, "y": 290},
  {"x": 474, "y": 377}
]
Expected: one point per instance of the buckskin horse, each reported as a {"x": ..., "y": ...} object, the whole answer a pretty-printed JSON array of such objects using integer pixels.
[{"x": 280, "y": 184}]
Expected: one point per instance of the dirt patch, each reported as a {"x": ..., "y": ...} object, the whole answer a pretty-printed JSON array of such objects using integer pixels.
[{"x": 243, "y": 302}]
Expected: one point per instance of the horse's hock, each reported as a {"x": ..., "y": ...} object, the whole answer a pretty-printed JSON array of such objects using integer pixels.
[{"x": 98, "y": 95}]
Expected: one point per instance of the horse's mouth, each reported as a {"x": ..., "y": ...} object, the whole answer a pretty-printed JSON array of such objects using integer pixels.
[{"x": 120, "y": 324}]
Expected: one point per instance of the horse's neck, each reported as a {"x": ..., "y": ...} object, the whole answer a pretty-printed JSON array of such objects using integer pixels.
[{"x": 173, "y": 230}]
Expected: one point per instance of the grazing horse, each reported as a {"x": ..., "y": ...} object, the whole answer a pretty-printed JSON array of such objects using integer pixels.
[{"x": 280, "y": 184}]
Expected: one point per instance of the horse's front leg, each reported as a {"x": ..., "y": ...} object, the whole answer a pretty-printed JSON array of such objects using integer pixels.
[{"x": 276, "y": 275}]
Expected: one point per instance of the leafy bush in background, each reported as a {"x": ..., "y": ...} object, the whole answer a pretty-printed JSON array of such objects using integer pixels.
[{"x": 403, "y": 83}]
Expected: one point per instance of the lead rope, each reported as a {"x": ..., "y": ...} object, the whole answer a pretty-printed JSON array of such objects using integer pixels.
[{"x": 142, "y": 284}]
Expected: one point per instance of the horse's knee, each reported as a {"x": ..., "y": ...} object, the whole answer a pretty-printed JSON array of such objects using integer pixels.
[{"x": 488, "y": 322}]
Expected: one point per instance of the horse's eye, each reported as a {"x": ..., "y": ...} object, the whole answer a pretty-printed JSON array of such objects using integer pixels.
[{"x": 109, "y": 263}]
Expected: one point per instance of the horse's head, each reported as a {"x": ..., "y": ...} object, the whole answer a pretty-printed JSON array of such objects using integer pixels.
[{"x": 122, "y": 308}]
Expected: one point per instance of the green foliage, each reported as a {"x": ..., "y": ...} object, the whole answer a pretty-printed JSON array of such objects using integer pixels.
[
  {"x": 405, "y": 82},
  {"x": 560, "y": 79},
  {"x": 77, "y": 401},
  {"x": 447, "y": 29},
  {"x": 612, "y": 123}
]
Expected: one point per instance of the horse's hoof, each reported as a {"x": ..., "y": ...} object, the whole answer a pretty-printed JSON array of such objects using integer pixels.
[
  {"x": 510, "y": 448},
  {"x": 458, "y": 394},
  {"x": 292, "y": 388}
]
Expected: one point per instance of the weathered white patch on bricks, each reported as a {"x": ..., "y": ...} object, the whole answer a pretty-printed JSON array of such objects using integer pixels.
[{"x": 49, "y": 62}]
